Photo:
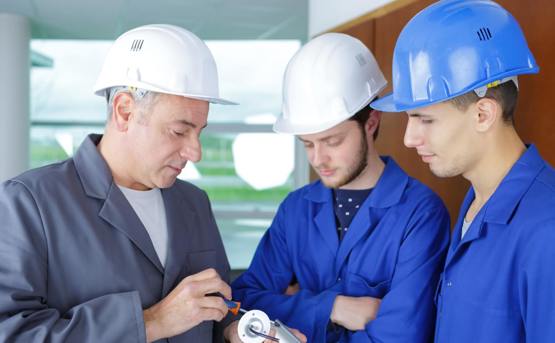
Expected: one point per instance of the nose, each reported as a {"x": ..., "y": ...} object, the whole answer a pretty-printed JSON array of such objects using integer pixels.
[
  {"x": 319, "y": 155},
  {"x": 412, "y": 138},
  {"x": 191, "y": 149}
]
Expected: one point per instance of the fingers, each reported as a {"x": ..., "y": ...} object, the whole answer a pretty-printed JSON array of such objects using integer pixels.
[
  {"x": 202, "y": 288},
  {"x": 187, "y": 305},
  {"x": 272, "y": 333},
  {"x": 292, "y": 289},
  {"x": 213, "y": 303},
  {"x": 230, "y": 332},
  {"x": 212, "y": 314},
  {"x": 300, "y": 336},
  {"x": 202, "y": 309},
  {"x": 206, "y": 282},
  {"x": 203, "y": 275}
]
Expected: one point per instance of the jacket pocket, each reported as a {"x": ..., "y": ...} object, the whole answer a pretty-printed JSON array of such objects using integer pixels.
[
  {"x": 358, "y": 286},
  {"x": 200, "y": 260}
]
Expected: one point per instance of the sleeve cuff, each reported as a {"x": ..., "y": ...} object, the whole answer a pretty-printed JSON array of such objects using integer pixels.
[{"x": 324, "y": 308}]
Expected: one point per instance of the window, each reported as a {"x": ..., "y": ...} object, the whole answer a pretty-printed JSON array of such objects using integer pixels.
[{"x": 246, "y": 169}]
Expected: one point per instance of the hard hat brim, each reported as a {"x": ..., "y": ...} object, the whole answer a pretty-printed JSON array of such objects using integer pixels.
[
  {"x": 387, "y": 104},
  {"x": 101, "y": 91},
  {"x": 283, "y": 126},
  {"x": 218, "y": 101}
]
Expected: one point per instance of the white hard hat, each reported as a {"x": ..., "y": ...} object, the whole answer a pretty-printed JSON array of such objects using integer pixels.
[
  {"x": 164, "y": 59},
  {"x": 330, "y": 79}
]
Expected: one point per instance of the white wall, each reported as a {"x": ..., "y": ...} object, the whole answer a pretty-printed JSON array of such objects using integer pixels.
[
  {"x": 15, "y": 33},
  {"x": 324, "y": 15}
]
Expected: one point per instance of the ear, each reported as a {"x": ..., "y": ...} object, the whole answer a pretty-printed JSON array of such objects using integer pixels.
[
  {"x": 122, "y": 109},
  {"x": 373, "y": 122},
  {"x": 488, "y": 112}
]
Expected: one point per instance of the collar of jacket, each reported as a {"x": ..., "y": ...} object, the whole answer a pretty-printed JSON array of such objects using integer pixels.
[
  {"x": 500, "y": 207},
  {"x": 98, "y": 183},
  {"x": 92, "y": 169},
  {"x": 387, "y": 192}
]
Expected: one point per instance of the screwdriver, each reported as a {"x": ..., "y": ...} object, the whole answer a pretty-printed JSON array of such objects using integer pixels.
[{"x": 233, "y": 306}]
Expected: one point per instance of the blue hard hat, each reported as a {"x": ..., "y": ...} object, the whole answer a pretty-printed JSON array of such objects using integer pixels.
[{"x": 453, "y": 47}]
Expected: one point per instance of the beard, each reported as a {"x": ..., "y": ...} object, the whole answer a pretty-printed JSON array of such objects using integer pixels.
[{"x": 354, "y": 170}]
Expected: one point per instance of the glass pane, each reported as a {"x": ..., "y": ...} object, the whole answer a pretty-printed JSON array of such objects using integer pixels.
[
  {"x": 251, "y": 73},
  {"x": 50, "y": 144},
  {"x": 217, "y": 173},
  {"x": 65, "y": 91},
  {"x": 241, "y": 237}
]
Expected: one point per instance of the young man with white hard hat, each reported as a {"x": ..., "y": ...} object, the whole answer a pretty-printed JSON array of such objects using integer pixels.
[
  {"x": 108, "y": 246},
  {"x": 455, "y": 70},
  {"x": 364, "y": 244}
]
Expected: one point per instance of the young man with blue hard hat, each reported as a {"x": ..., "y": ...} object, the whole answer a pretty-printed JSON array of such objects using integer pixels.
[
  {"x": 455, "y": 70},
  {"x": 365, "y": 244}
]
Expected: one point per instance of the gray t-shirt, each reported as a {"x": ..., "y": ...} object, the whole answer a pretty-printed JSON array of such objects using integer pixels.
[{"x": 149, "y": 207}]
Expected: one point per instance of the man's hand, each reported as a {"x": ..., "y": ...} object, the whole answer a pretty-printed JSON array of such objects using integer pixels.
[
  {"x": 292, "y": 289},
  {"x": 353, "y": 313},
  {"x": 300, "y": 336},
  {"x": 187, "y": 306},
  {"x": 230, "y": 332},
  {"x": 231, "y": 335}
]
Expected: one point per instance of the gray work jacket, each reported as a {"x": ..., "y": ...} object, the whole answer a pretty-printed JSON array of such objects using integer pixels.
[{"x": 76, "y": 263}]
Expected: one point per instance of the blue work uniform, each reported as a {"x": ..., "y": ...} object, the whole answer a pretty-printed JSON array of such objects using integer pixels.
[
  {"x": 498, "y": 284},
  {"x": 394, "y": 250}
]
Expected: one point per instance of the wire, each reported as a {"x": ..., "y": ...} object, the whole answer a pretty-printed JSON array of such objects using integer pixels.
[{"x": 260, "y": 334}]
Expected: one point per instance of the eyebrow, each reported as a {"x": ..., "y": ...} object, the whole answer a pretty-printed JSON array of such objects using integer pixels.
[
  {"x": 323, "y": 138},
  {"x": 418, "y": 115},
  {"x": 191, "y": 124}
]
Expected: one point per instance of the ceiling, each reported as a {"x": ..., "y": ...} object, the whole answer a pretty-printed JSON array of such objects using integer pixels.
[{"x": 209, "y": 19}]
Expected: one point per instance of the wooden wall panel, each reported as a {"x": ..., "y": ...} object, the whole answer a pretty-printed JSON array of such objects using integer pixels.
[
  {"x": 365, "y": 32},
  {"x": 535, "y": 122},
  {"x": 535, "y": 118}
]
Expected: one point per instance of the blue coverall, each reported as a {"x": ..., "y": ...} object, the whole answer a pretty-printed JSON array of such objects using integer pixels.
[
  {"x": 394, "y": 250},
  {"x": 499, "y": 280}
]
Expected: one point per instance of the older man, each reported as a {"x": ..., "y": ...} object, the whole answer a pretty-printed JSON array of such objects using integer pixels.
[{"x": 107, "y": 246}]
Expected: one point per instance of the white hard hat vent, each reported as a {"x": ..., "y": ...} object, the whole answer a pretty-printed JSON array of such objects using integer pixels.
[
  {"x": 361, "y": 60},
  {"x": 137, "y": 45}
]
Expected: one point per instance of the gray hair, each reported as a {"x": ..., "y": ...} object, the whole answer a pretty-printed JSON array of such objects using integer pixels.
[{"x": 144, "y": 98}]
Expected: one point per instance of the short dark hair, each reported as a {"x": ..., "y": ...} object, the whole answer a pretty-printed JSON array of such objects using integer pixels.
[
  {"x": 506, "y": 94},
  {"x": 361, "y": 117}
]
